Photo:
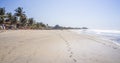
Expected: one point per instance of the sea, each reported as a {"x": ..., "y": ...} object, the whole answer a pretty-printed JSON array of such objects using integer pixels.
[{"x": 113, "y": 35}]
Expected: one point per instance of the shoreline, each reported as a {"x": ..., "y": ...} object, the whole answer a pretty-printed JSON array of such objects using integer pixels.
[
  {"x": 55, "y": 46},
  {"x": 98, "y": 36}
]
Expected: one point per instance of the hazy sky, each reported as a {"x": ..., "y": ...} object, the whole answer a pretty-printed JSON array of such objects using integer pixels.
[{"x": 100, "y": 14}]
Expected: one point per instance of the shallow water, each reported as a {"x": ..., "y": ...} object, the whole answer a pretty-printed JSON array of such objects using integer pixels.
[{"x": 113, "y": 35}]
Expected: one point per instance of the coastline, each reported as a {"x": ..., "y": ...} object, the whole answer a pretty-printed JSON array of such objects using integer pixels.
[
  {"x": 98, "y": 35},
  {"x": 56, "y": 46}
]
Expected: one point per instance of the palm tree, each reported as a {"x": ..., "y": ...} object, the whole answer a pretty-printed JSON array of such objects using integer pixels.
[
  {"x": 30, "y": 21},
  {"x": 19, "y": 12},
  {"x": 1, "y": 20},
  {"x": 14, "y": 20},
  {"x": 10, "y": 17},
  {"x": 23, "y": 20},
  {"x": 42, "y": 24},
  {"x": 22, "y": 17},
  {"x": 2, "y": 11},
  {"x": 2, "y": 15}
]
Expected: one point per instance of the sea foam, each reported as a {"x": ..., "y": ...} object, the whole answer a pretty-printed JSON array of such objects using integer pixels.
[{"x": 113, "y": 35}]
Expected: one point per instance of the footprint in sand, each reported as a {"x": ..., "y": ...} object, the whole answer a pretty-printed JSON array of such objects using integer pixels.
[
  {"x": 70, "y": 56},
  {"x": 74, "y": 60},
  {"x": 71, "y": 52}
]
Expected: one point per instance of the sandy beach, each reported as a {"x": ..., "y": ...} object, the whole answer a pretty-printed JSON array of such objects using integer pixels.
[{"x": 55, "y": 46}]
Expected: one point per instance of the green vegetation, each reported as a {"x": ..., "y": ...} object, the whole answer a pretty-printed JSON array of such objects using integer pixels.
[{"x": 18, "y": 20}]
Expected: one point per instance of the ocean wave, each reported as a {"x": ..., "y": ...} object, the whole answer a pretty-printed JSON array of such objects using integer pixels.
[{"x": 113, "y": 35}]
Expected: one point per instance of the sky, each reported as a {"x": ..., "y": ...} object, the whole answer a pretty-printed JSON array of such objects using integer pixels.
[{"x": 94, "y": 14}]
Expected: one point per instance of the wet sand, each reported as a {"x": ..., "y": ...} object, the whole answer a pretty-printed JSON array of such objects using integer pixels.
[{"x": 55, "y": 46}]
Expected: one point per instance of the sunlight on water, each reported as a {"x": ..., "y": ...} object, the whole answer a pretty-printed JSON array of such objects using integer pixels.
[
  {"x": 113, "y": 35},
  {"x": 105, "y": 31}
]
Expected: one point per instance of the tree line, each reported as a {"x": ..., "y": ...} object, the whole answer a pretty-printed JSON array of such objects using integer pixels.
[{"x": 18, "y": 20}]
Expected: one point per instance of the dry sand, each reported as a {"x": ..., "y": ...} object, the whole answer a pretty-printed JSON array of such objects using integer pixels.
[{"x": 55, "y": 46}]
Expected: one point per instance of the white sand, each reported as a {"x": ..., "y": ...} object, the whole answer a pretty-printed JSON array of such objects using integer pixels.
[{"x": 55, "y": 46}]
